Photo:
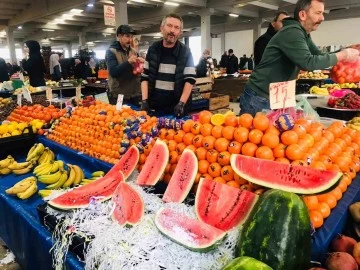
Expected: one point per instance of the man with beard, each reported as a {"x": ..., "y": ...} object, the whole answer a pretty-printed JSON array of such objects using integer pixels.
[
  {"x": 120, "y": 60},
  {"x": 288, "y": 52},
  {"x": 169, "y": 72}
]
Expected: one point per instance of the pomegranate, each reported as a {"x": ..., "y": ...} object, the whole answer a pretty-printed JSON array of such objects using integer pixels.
[
  {"x": 343, "y": 243},
  {"x": 341, "y": 261}
]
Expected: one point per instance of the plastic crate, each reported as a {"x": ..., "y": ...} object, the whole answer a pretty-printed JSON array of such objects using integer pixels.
[{"x": 13, "y": 144}]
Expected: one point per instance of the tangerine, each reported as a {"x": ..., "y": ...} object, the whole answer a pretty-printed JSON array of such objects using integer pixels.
[
  {"x": 224, "y": 158},
  {"x": 271, "y": 140},
  {"x": 216, "y": 131},
  {"x": 233, "y": 184},
  {"x": 228, "y": 132},
  {"x": 201, "y": 153},
  {"x": 221, "y": 144},
  {"x": 205, "y": 129},
  {"x": 246, "y": 120},
  {"x": 328, "y": 198},
  {"x": 289, "y": 137},
  {"x": 227, "y": 173},
  {"x": 220, "y": 180},
  {"x": 188, "y": 138},
  {"x": 249, "y": 149},
  {"x": 205, "y": 117},
  {"x": 197, "y": 141},
  {"x": 195, "y": 128},
  {"x": 234, "y": 147},
  {"x": 208, "y": 142},
  {"x": 324, "y": 209},
  {"x": 203, "y": 166},
  {"x": 241, "y": 134},
  {"x": 293, "y": 152},
  {"x": 316, "y": 219},
  {"x": 231, "y": 120},
  {"x": 279, "y": 150},
  {"x": 214, "y": 169},
  {"x": 261, "y": 122},
  {"x": 212, "y": 155},
  {"x": 264, "y": 152},
  {"x": 255, "y": 136},
  {"x": 187, "y": 125}
]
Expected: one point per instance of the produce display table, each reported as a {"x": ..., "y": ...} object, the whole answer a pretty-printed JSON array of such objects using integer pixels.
[{"x": 229, "y": 86}]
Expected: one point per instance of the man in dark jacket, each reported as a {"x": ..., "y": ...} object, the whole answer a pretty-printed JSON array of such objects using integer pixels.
[
  {"x": 33, "y": 64},
  {"x": 169, "y": 72},
  {"x": 290, "y": 50},
  {"x": 224, "y": 60},
  {"x": 262, "y": 41},
  {"x": 243, "y": 61},
  {"x": 233, "y": 63},
  {"x": 120, "y": 59}
]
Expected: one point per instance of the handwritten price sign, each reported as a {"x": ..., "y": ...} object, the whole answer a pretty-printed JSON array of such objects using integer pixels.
[{"x": 282, "y": 95}]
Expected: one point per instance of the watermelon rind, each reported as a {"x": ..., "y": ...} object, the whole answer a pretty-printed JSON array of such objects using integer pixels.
[
  {"x": 183, "y": 227},
  {"x": 128, "y": 161},
  {"x": 246, "y": 263},
  {"x": 80, "y": 197},
  {"x": 183, "y": 178},
  {"x": 286, "y": 177},
  {"x": 223, "y": 206},
  {"x": 155, "y": 165}
]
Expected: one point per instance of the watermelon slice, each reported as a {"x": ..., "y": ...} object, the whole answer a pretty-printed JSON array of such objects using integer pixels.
[
  {"x": 129, "y": 206},
  {"x": 188, "y": 232},
  {"x": 155, "y": 164},
  {"x": 183, "y": 178},
  {"x": 80, "y": 197},
  {"x": 291, "y": 178},
  {"x": 127, "y": 162},
  {"x": 221, "y": 205}
]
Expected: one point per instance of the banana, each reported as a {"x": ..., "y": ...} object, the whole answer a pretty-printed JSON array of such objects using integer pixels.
[
  {"x": 49, "y": 156},
  {"x": 72, "y": 175},
  {"x": 6, "y": 162},
  {"x": 44, "y": 192},
  {"x": 61, "y": 164},
  {"x": 86, "y": 181},
  {"x": 17, "y": 166},
  {"x": 21, "y": 186},
  {"x": 50, "y": 178},
  {"x": 98, "y": 174},
  {"x": 36, "y": 153},
  {"x": 5, "y": 171},
  {"x": 40, "y": 167},
  {"x": 52, "y": 154},
  {"x": 32, "y": 149},
  {"x": 60, "y": 183},
  {"x": 28, "y": 193},
  {"x": 43, "y": 156},
  {"x": 23, "y": 170},
  {"x": 54, "y": 167},
  {"x": 79, "y": 174},
  {"x": 45, "y": 170},
  {"x": 94, "y": 178}
]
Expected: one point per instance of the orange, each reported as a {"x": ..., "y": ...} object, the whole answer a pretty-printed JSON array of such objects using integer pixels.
[
  {"x": 261, "y": 122},
  {"x": 228, "y": 132},
  {"x": 231, "y": 120},
  {"x": 203, "y": 166},
  {"x": 221, "y": 144},
  {"x": 191, "y": 147},
  {"x": 212, "y": 155},
  {"x": 208, "y": 142},
  {"x": 329, "y": 136},
  {"x": 201, "y": 153},
  {"x": 342, "y": 186},
  {"x": 279, "y": 150},
  {"x": 293, "y": 152},
  {"x": 234, "y": 147},
  {"x": 227, "y": 173},
  {"x": 205, "y": 117},
  {"x": 216, "y": 131},
  {"x": 264, "y": 152},
  {"x": 272, "y": 129},
  {"x": 205, "y": 129},
  {"x": 300, "y": 130},
  {"x": 289, "y": 137},
  {"x": 173, "y": 157},
  {"x": 188, "y": 138},
  {"x": 233, "y": 184},
  {"x": 172, "y": 145},
  {"x": 249, "y": 149},
  {"x": 316, "y": 219},
  {"x": 337, "y": 193},
  {"x": 255, "y": 136},
  {"x": 270, "y": 140},
  {"x": 346, "y": 138},
  {"x": 178, "y": 136},
  {"x": 219, "y": 180},
  {"x": 328, "y": 198},
  {"x": 224, "y": 158},
  {"x": 195, "y": 128},
  {"x": 282, "y": 160},
  {"x": 239, "y": 180},
  {"x": 187, "y": 125},
  {"x": 318, "y": 165},
  {"x": 246, "y": 120},
  {"x": 170, "y": 134},
  {"x": 303, "y": 122},
  {"x": 214, "y": 169},
  {"x": 180, "y": 148},
  {"x": 241, "y": 134},
  {"x": 197, "y": 140},
  {"x": 324, "y": 209}
]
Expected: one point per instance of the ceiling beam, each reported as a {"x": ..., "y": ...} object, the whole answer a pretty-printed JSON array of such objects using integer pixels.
[
  {"x": 65, "y": 22},
  {"x": 238, "y": 11},
  {"x": 290, "y": 1},
  {"x": 264, "y": 5},
  {"x": 193, "y": 3}
]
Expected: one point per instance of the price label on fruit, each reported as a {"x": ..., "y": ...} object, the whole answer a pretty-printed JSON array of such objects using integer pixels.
[
  {"x": 102, "y": 97},
  {"x": 27, "y": 94},
  {"x": 282, "y": 95},
  {"x": 19, "y": 96},
  {"x": 119, "y": 102}
]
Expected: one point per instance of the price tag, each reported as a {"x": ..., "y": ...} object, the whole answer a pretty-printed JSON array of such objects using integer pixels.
[
  {"x": 49, "y": 95},
  {"x": 27, "y": 94},
  {"x": 19, "y": 97},
  {"x": 78, "y": 93},
  {"x": 282, "y": 95},
  {"x": 119, "y": 102},
  {"x": 102, "y": 97}
]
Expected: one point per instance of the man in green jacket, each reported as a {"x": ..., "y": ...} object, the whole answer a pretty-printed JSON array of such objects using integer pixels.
[{"x": 288, "y": 52}]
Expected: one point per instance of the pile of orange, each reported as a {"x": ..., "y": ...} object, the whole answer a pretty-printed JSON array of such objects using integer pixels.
[
  {"x": 37, "y": 111},
  {"x": 99, "y": 130}
]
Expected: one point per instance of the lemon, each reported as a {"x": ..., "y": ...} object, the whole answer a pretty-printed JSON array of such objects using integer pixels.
[
  {"x": 3, "y": 129},
  {"x": 38, "y": 125},
  {"x": 218, "y": 119},
  {"x": 11, "y": 128},
  {"x": 14, "y": 123},
  {"x": 25, "y": 131},
  {"x": 21, "y": 126},
  {"x": 6, "y": 135},
  {"x": 15, "y": 133}
]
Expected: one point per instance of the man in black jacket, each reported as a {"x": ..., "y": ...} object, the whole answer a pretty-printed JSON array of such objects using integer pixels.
[
  {"x": 233, "y": 63},
  {"x": 262, "y": 41},
  {"x": 169, "y": 72},
  {"x": 224, "y": 60}
]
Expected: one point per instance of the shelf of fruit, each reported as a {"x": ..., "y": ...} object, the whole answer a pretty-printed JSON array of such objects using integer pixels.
[
  {"x": 350, "y": 101},
  {"x": 310, "y": 75}
]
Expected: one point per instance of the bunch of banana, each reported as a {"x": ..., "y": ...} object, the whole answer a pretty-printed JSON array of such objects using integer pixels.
[
  {"x": 22, "y": 167},
  {"x": 76, "y": 174},
  {"x": 35, "y": 152},
  {"x": 24, "y": 189},
  {"x": 319, "y": 91},
  {"x": 94, "y": 176},
  {"x": 62, "y": 179},
  {"x": 46, "y": 156},
  {"x": 4, "y": 165},
  {"x": 354, "y": 123},
  {"x": 48, "y": 167},
  {"x": 50, "y": 178}
]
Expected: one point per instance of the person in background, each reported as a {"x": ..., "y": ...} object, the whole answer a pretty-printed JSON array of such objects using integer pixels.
[
  {"x": 288, "y": 52},
  {"x": 78, "y": 71},
  {"x": 55, "y": 68},
  {"x": 224, "y": 60},
  {"x": 120, "y": 61},
  {"x": 9, "y": 68},
  {"x": 205, "y": 68},
  {"x": 233, "y": 63},
  {"x": 250, "y": 62},
  {"x": 243, "y": 62},
  {"x": 93, "y": 67},
  {"x": 4, "y": 75},
  {"x": 262, "y": 41},
  {"x": 169, "y": 72},
  {"x": 33, "y": 63}
]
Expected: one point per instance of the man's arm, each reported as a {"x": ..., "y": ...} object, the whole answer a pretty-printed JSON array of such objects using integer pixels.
[
  {"x": 189, "y": 78},
  {"x": 116, "y": 69},
  {"x": 186, "y": 92}
]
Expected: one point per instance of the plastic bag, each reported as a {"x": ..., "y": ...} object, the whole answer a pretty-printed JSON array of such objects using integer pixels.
[
  {"x": 346, "y": 72},
  {"x": 305, "y": 110}
]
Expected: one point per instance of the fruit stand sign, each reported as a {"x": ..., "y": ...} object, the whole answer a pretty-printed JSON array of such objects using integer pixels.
[
  {"x": 49, "y": 95},
  {"x": 19, "y": 96},
  {"x": 109, "y": 15},
  {"x": 119, "y": 102},
  {"x": 282, "y": 95},
  {"x": 78, "y": 93},
  {"x": 102, "y": 97},
  {"x": 27, "y": 94}
]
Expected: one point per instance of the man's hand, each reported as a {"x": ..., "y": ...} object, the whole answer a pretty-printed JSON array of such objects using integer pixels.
[
  {"x": 132, "y": 59},
  {"x": 144, "y": 106},
  {"x": 179, "y": 109}
]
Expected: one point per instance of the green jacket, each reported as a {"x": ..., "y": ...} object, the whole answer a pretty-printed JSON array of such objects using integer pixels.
[{"x": 288, "y": 52}]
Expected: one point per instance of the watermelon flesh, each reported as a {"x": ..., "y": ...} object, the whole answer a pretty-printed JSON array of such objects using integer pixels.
[
  {"x": 286, "y": 177},
  {"x": 127, "y": 162},
  {"x": 221, "y": 205},
  {"x": 129, "y": 206},
  {"x": 183, "y": 178},
  {"x": 188, "y": 232},
  {"x": 80, "y": 197},
  {"x": 155, "y": 165}
]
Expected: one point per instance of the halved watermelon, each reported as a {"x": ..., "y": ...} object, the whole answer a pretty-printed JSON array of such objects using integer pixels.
[
  {"x": 188, "y": 232},
  {"x": 80, "y": 197},
  {"x": 286, "y": 177},
  {"x": 183, "y": 178},
  {"x": 155, "y": 164},
  {"x": 129, "y": 206},
  {"x": 221, "y": 205},
  {"x": 127, "y": 162}
]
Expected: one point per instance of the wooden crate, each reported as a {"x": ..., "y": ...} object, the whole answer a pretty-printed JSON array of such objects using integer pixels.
[
  {"x": 218, "y": 101},
  {"x": 204, "y": 84}
]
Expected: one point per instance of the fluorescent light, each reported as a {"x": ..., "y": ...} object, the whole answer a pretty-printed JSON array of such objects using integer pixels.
[
  {"x": 168, "y": 3},
  {"x": 157, "y": 37},
  {"x": 19, "y": 27},
  {"x": 90, "y": 5},
  {"x": 76, "y": 11},
  {"x": 48, "y": 30},
  {"x": 67, "y": 16},
  {"x": 233, "y": 15},
  {"x": 59, "y": 20}
]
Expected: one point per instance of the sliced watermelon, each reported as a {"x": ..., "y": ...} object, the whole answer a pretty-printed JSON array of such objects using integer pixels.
[
  {"x": 221, "y": 205},
  {"x": 80, "y": 197},
  {"x": 183, "y": 178},
  {"x": 155, "y": 164},
  {"x": 129, "y": 206},
  {"x": 286, "y": 177},
  {"x": 127, "y": 162},
  {"x": 188, "y": 232}
]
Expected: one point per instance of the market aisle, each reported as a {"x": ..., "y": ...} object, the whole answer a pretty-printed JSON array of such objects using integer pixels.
[{"x": 6, "y": 258}]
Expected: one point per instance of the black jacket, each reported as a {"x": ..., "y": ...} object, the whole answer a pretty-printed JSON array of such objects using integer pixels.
[
  {"x": 4, "y": 75},
  {"x": 34, "y": 66},
  {"x": 243, "y": 61},
  {"x": 224, "y": 61},
  {"x": 261, "y": 43},
  {"x": 232, "y": 65}
]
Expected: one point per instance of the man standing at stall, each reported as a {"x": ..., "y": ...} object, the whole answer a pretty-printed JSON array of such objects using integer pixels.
[
  {"x": 233, "y": 63},
  {"x": 288, "y": 52},
  {"x": 169, "y": 72},
  {"x": 120, "y": 60}
]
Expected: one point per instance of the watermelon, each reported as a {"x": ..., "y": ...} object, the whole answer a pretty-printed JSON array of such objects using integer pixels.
[
  {"x": 287, "y": 177},
  {"x": 246, "y": 263},
  {"x": 221, "y": 205},
  {"x": 183, "y": 178},
  {"x": 188, "y": 232},
  {"x": 129, "y": 206},
  {"x": 127, "y": 162},
  {"x": 80, "y": 197},
  {"x": 278, "y": 232},
  {"x": 155, "y": 164}
]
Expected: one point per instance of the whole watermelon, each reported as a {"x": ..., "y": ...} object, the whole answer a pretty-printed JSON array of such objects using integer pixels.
[
  {"x": 246, "y": 263},
  {"x": 278, "y": 232}
]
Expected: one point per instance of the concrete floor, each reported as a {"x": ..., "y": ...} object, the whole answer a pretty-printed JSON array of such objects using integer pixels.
[{"x": 6, "y": 262}]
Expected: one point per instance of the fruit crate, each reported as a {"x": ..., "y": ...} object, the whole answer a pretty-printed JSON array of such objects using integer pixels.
[
  {"x": 218, "y": 101},
  {"x": 13, "y": 144}
]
